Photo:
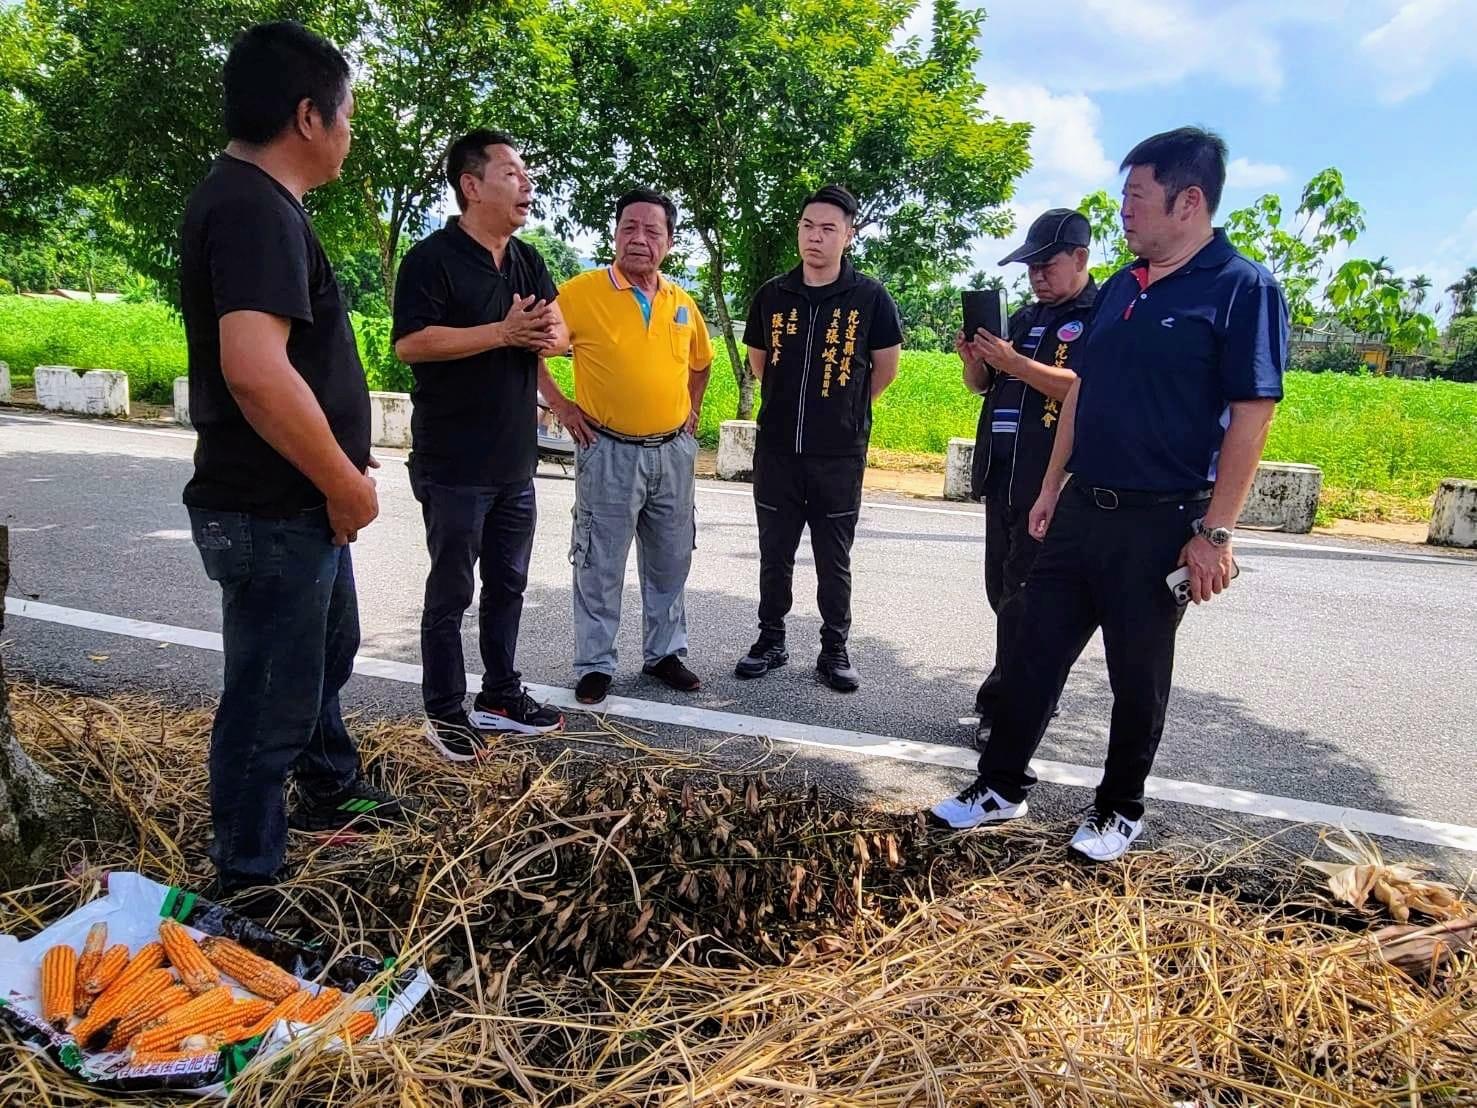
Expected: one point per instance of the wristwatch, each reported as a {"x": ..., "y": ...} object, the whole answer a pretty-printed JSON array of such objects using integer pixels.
[{"x": 1216, "y": 536}]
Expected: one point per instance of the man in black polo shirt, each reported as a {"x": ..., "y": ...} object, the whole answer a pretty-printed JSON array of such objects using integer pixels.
[
  {"x": 281, "y": 410},
  {"x": 474, "y": 308},
  {"x": 824, "y": 341},
  {"x": 1024, "y": 381},
  {"x": 1161, "y": 436}
]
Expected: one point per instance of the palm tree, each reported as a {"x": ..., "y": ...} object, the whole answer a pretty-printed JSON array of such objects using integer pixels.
[
  {"x": 1464, "y": 293},
  {"x": 1420, "y": 286},
  {"x": 1384, "y": 272}
]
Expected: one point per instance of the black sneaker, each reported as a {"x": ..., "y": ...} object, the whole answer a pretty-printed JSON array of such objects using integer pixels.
[
  {"x": 520, "y": 713},
  {"x": 592, "y": 687},
  {"x": 360, "y": 802},
  {"x": 763, "y": 656},
  {"x": 672, "y": 673},
  {"x": 455, "y": 738},
  {"x": 835, "y": 669}
]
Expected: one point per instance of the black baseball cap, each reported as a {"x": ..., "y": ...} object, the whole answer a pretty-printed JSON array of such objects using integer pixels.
[{"x": 1054, "y": 231}]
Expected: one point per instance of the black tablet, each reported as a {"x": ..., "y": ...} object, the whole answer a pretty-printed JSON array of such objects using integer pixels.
[{"x": 984, "y": 308}]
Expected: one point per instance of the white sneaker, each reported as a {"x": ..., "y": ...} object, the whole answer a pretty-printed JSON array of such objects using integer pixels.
[
  {"x": 1106, "y": 836},
  {"x": 976, "y": 805}
]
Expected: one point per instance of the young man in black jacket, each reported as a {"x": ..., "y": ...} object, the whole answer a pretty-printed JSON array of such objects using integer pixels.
[
  {"x": 824, "y": 341},
  {"x": 1024, "y": 379}
]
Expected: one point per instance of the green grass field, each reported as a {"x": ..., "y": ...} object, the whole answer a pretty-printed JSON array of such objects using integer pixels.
[{"x": 1373, "y": 437}]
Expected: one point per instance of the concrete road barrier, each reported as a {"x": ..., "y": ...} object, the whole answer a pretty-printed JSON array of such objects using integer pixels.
[
  {"x": 98, "y": 392},
  {"x": 957, "y": 467},
  {"x": 736, "y": 441},
  {"x": 4, "y": 383},
  {"x": 182, "y": 401},
  {"x": 1284, "y": 496},
  {"x": 1454, "y": 514},
  {"x": 389, "y": 419}
]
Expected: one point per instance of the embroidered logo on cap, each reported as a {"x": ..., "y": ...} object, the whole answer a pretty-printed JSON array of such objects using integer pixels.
[{"x": 1070, "y": 332}]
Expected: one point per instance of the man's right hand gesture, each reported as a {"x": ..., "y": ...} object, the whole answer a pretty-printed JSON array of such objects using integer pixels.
[
  {"x": 529, "y": 324},
  {"x": 1039, "y": 521},
  {"x": 352, "y": 507},
  {"x": 574, "y": 420}
]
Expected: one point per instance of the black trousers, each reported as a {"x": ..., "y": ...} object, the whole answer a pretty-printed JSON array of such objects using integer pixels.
[
  {"x": 491, "y": 528},
  {"x": 1097, "y": 568},
  {"x": 791, "y": 492},
  {"x": 1010, "y": 552}
]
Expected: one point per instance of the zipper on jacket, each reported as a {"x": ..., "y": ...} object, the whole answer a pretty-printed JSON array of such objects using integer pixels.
[{"x": 804, "y": 381}]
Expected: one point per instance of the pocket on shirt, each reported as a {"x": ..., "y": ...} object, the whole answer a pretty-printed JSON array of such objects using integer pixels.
[{"x": 681, "y": 340}]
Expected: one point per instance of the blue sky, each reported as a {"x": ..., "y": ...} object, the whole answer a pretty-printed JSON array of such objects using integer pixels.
[{"x": 1383, "y": 89}]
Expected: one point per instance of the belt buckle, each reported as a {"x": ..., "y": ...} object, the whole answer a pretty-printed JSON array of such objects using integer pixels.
[{"x": 1100, "y": 498}]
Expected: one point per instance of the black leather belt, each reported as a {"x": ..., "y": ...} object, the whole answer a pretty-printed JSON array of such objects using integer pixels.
[
  {"x": 640, "y": 440},
  {"x": 1110, "y": 500}
]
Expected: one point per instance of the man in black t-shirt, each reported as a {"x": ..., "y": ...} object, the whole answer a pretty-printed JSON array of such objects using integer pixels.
[
  {"x": 281, "y": 409},
  {"x": 474, "y": 309},
  {"x": 824, "y": 341}
]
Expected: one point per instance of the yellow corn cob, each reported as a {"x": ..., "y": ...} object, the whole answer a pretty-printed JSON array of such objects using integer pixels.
[
  {"x": 289, "y": 1009},
  {"x": 207, "y": 1013},
  {"x": 326, "y": 1001},
  {"x": 115, "y": 1004},
  {"x": 259, "y": 975},
  {"x": 58, "y": 984},
  {"x": 113, "y": 962},
  {"x": 164, "y": 1057},
  {"x": 157, "y": 1007},
  {"x": 149, "y": 958},
  {"x": 92, "y": 954},
  {"x": 359, "y": 1025},
  {"x": 187, "y": 958}
]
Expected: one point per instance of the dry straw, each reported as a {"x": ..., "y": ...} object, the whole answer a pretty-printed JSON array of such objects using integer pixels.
[{"x": 645, "y": 927}]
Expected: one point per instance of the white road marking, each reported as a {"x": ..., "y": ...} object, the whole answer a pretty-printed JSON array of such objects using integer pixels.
[
  {"x": 832, "y": 739},
  {"x": 1242, "y": 541}
]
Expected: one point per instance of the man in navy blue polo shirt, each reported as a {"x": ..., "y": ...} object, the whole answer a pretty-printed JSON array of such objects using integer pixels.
[{"x": 1158, "y": 444}]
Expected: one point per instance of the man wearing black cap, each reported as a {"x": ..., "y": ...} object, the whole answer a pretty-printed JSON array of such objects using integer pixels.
[
  {"x": 1024, "y": 381},
  {"x": 824, "y": 341}
]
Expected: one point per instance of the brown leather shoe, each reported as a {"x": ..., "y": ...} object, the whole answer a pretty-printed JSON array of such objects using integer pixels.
[{"x": 671, "y": 672}]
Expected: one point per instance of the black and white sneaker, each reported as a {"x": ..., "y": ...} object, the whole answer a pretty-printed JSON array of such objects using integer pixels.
[
  {"x": 522, "y": 713},
  {"x": 763, "y": 656},
  {"x": 975, "y": 806},
  {"x": 1106, "y": 836},
  {"x": 455, "y": 738}
]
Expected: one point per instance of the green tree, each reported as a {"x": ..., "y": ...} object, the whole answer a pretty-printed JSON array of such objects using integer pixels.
[
  {"x": 1324, "y": 218},
  {"x": 1368, "y": 302},
  {"x": 125, "y": 96},
  {"x": 1418, "y": 288},
  {"x": 561, "y": 258},
  {"x": 1464, "y": 293},
  {"x": 1108, "y": 243},
  {"x": 738, "y": 108}
]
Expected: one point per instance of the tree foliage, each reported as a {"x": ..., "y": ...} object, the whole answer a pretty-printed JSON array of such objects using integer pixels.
[
  {"x": 1366, "y": 301},
  {"x": 739, "y": 108}
]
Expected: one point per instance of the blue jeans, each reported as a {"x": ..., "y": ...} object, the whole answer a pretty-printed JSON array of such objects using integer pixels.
[
  {"x": 290, "y": 621},
  {"x": 491, "y": 527}
]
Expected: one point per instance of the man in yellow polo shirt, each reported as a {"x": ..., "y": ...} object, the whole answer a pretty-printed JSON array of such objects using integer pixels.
[{"x": 641, "y": 361}]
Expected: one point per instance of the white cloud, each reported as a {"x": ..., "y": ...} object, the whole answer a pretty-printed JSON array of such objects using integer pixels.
[
  {"x": 1066, "y": 150},
  {"x": 1108, "y": 44},
  {"x": 1447, "y": 263},
  {"x": 1244, "y": 174},
  {"x": 1418, "y": 44}
]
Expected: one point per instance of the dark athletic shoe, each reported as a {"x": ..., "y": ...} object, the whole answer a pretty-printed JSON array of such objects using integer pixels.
[
  {"x": 671, "y": 672},
  {"x": 763, "y": 656},
  {"x": 835, "y": 669},
  {"x": 455, "y": 738},
  {"x": 520, "y": 713},
  {"x": 364, "y": 805},
  {"x": 592, "y": 687}
]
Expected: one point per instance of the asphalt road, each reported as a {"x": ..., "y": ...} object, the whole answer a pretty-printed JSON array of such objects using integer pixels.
[{"x": 1334, "y": 671}]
